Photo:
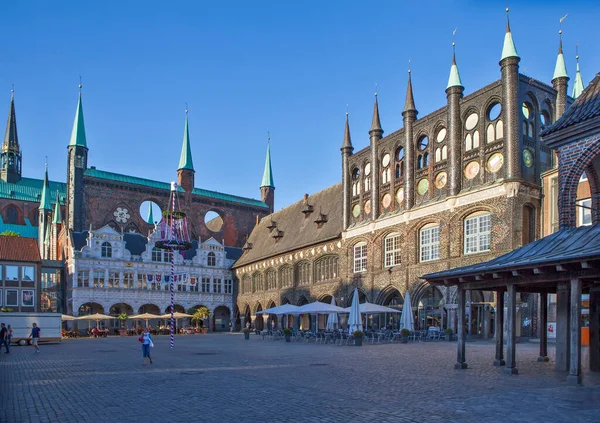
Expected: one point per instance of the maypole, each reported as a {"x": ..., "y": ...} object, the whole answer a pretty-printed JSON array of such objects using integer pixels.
[{"x": 174, "y": 236}]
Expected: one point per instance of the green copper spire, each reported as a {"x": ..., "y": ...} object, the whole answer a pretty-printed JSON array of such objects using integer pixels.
[
  {"x": 578, "y": 86},
  {"x": 509, "y": 49},
  {"x": 454, "y": 78},
  {"x": 185, "y": 161},
  {"x": 57, "y": 218},
  {"x": 150, "y": 219},
  {"x": 560, "y": 70},
  {"x": 45, "y": 200},
  {"x": 78, "y": 134},
  {"x": 267, "y": 180}
]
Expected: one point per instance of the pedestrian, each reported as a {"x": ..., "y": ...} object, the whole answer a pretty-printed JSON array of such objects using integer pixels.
[
  {"x": 4, "y": 337},
  {"x": 146, "y": 345},
  {"x": 9, "y": 328},
  {"x": 230, "y": 327},
  {"x": 35, "y": 337}
]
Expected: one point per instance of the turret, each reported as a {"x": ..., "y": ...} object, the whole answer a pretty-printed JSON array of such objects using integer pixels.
[
  {"x": 76, "y": 166},
  {"x": 267, "y": 187},
  {"x": 10, "y": 155},
  {"x": 578, "y": 84},
  {"x": 44, "y": 216},
  {"x": 560, "y": 81},
  {"x": 509, "y": 67},
  {"x": 56, "y": 227},
  {"x": 454, "y": 92},
  {"x": 409, "y": 116},
  {"x": 347, "y": 150},
  {"x": 375, "y": 134},
  {"x": 185, "y": 171}
]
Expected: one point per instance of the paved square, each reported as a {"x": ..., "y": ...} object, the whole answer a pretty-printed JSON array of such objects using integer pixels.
[{"x": 222, "y": 377}]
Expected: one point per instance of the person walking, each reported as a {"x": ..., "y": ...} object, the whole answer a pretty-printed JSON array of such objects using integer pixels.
[
  {"x": 146, "y": 345},
  {"x": 35, "y": 337},
  {"x": 4, "y": 337},
  {"x": 10, "y": 332}
]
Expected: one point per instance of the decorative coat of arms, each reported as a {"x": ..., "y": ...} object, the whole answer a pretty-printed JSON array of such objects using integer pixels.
[{"x": 121, "y": 215}]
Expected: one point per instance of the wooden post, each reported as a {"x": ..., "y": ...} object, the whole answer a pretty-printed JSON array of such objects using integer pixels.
[
  {"x": 499, "y": 320},
  {"x": 543, "y": 327},
  {"x": 562, "y": 327},
  {"x": 511, "y": 323},
  {"x": 460, "y": 356},
  {"x": 575, "y": 376}
]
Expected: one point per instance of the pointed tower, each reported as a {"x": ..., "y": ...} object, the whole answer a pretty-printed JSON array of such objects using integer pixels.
[
  {"x": 267, "y": 188},
  {"x": 578, "y": 85},
  {"x": 185, "y": 171},
  {"x": 375, "y": 134},
  {"x": 347, "y": 150},
  {"x": 150, "y": 219},
  {"x": 454, "y": 92},
  {"x": 560, "y": 81},
  {"x": 10, "y": 155},
  {"x": 76, "y": 166},
  {"x": 509, "y": 68},
  {"x": 409, "y": 115},
  {"x": 56, "y": 227},
  {"x": 44, "y": 215}
]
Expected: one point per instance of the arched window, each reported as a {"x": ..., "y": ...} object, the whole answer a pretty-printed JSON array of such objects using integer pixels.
[
  {"x": 444, "y": 152},
  {"x": 326, "y": 268},
  {"x": 156, "y": 254},
  {"x": 477, "y": 232},
  {"x": 367, "y": 177},
  {"x": 303, "y": 273},
  {"x": 472, "y": 135},
  {"x": 495, "y": 128},
  {"x": 106, "y": 249},
  {"x": 528, "y": 119},
  {"x": 356, "y": 182},
  {"x": 528, "y": 233},
  {"x": 360, "y": 257},
  {"x": 212, "y": 259},
  {"x": 391, "y": 247},
  {"x": 286, "y": 276},
  {"x": 246, "y": 284},
  {"x": 11, "y": 215},
  {"x": 271, "y": 281},
  {"x": 429, "y": 242},
  {"x": 386, "y": 172},
  {"x": 399, "y": 163}
]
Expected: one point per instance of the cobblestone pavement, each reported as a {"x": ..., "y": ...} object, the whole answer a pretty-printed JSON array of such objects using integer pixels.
[{"x": 223, "y": 378}]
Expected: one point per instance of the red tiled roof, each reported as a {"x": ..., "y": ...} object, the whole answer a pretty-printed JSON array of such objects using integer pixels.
[{"x": 14, "y": 248}]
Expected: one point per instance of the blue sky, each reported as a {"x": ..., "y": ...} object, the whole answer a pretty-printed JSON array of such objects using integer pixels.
[{"x": 246, "y": 68}]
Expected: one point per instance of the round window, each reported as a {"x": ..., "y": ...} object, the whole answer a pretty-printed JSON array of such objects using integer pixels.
[
  {"x": 386, "y": 201},
  {"x": 400, "y": 195},
  {"x": 495, "y": 162},
  {"x": 471, "y": 121},
  {"x": 422, "y": 186},
  {"x": 441, "y": 135},
  {"x": 472, "y": 170},
  {"x": 526, "y": 109},
  {"x": 213, "y": 221},
  {"x": 385, "y": 161},
  {"x": 440, "y": 180},
  {"x": 356, "y": 210},
  {"x": 423, "y": 142},
  {"x": 368, "y": 169},
  {"x": 494, "y": 111},
  {"x": 368, "y": 207}
]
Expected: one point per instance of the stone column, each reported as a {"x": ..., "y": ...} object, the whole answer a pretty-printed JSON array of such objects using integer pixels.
[
  {"x": 543, "y": 327},
  {"x": 562, "y": 327},
  {"x": 595, "y": 329},
  {"x": 460, "y": 356},
  {"x": 575, "y": 376},
  {"x": 499, "y": 323},
  {"x": 511, "y": 323}
]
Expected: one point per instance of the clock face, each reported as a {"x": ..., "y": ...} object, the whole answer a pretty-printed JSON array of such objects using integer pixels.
[
  {"x": 528, "y": 157},
  {"x": 422, "y": 186},
  {"x": 121, "y": 215}
]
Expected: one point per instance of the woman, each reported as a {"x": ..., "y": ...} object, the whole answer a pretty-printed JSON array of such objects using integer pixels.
[
  {"x": 146, "y": 344},
  {"x": 9, "y": 334}
]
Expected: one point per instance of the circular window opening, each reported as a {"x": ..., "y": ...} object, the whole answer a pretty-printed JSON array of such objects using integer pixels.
[
  {"x": 441, "y": 135},
  {"x": 213, "y": 221},
  {"x": 526, "y": 109},
  {"x": 494, "y": 111},
  {"x": 400, "y": 154},
  {"x": 471, "y": 121},
  {"x": 150, "y": 212},
  {"x": 545, "y": 118},
  {"x": 423, "y": 143}
]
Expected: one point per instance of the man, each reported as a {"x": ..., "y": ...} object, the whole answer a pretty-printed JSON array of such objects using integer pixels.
[
  {"x": 35, "y": 336},
  {"x": 4, "y": 337}
]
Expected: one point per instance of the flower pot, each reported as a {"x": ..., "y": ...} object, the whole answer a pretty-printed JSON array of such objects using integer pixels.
[
  {"x": 204, "y": 330},
  {"x": 288, "y": 338},
  {"x": 358, "y": 342},
  {"x": 246, "y": 335},
  {"x": 449, "y": 337},
  {"x": 122, "y": 332},
  {"x": 404, "y": 339}
]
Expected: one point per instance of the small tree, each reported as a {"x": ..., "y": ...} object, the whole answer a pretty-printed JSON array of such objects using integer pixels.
[
  {"x": 122, "y": 317},
  {"x": 200, "y": 314},
  {"x": 10, "y": 233}
]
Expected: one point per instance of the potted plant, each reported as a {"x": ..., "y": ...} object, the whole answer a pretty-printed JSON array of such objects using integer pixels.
[
  {"x": 246, "y": 333},
  {"x": 122, "y": 317},
  {"x": 199, "y": 316},
  {"x": 449, "y": 334},
  {"x": 287, "y": 332},
  {"x": 404, "y": 334},
  {"x": 358, "y": 337}
]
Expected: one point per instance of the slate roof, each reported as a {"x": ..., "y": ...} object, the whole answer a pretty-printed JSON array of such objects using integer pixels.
[
  {"x": 564, "y": 246},
  {"x": 30, "y": 190},
  {"x": 14, "y": 248},
  {"x": 586, "y": 107},
  {"x": 298, "y": 231},
  {"x": 134, "y": 180},
  {"x": 233, "y": 253}
]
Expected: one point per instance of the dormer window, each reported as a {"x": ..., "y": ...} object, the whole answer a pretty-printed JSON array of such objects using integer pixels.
[
  {"x": 308, "y": 208},
  {"x": 106, "y": 249},
  {"x": 212, "y": 259},
  {"x": 321, "y": 219},
  {"x": 156, "y": 254},
  {"x": 277, "y": 234},
  {"x": 272, "y": 225},
  {"x": 247, "y": 246}
]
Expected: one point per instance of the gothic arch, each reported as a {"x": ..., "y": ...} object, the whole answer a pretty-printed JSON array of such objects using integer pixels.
[{"x": 388, "y": 292}]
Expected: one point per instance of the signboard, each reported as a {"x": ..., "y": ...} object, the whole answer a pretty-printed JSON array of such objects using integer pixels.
[{"x": 551, "y": 330}]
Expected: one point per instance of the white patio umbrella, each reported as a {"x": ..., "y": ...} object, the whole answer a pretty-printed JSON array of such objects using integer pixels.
[
  {"x": 370, "y": 308},
  {"x": 97, "y": 317},
  {"x": 317, "y": 308},
  {"x": 177, "y": 315},
  {"x": 146, "y": 317},
  {"x": 66, "y": 317},
  {"x": 332, "y": 318},
  {"x": 354, "y": 320},
  {"x": 283, "y": 309},
  {"x": 407, "y": 320}
]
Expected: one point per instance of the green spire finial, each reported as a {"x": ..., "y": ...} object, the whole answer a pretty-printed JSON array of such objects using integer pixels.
[
  {"x": 560, "y": 70},
  {"x": 185, "y": 161},
  {"x": 578, "y": 86},
  {"x": 150, "y": 219},
  {"x": 78, "y": 133},
  {"x": 267, "y": 180},
  {"x": 45, "y": 200},
  {"x": 509, "y": 49},
  {"x": 454, "y": 78},
  {"x": 57, "y": 219}
]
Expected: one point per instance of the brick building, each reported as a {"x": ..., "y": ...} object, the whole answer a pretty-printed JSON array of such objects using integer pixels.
[
  {"x": 456, "y": 187},
  {"x": 20, "y": 266}
]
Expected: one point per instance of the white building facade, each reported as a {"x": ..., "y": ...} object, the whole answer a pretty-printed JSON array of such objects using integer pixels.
[{"x": 113, "y": 273}]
